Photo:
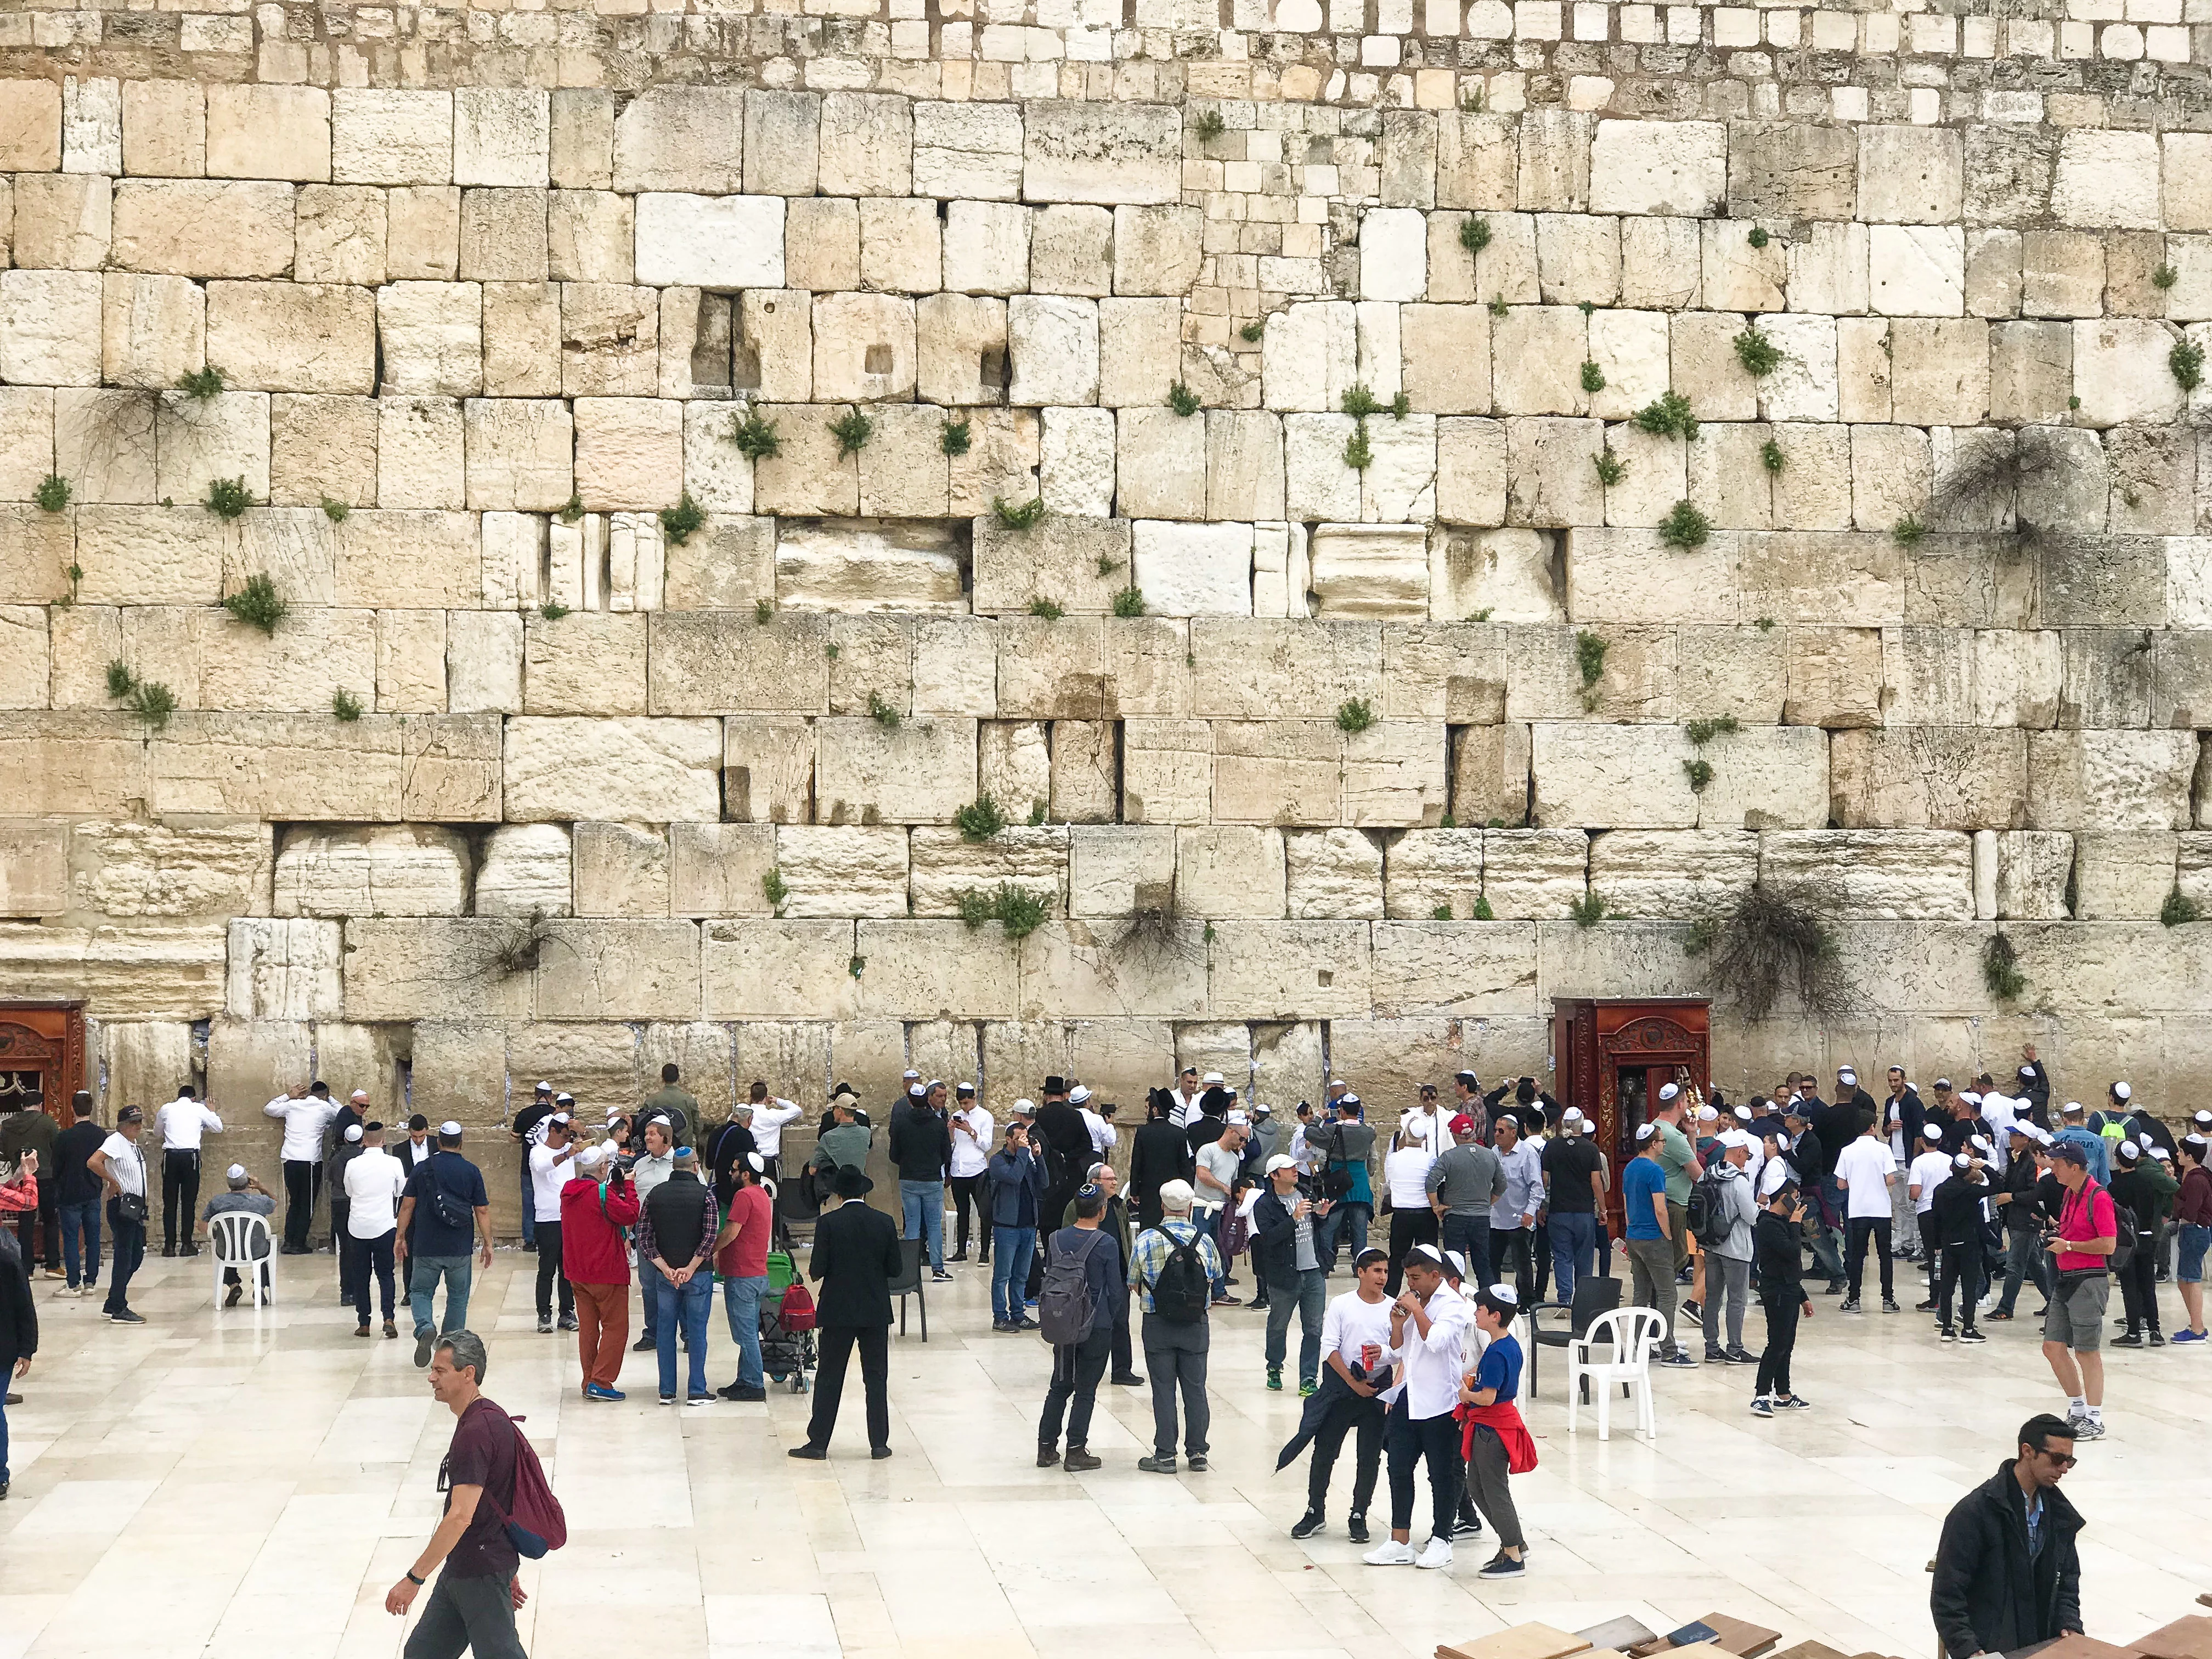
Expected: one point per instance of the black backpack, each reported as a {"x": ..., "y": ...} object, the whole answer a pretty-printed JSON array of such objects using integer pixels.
[
  {"x": 1710, "y": 1221},
  {"x": 2123, "y": 1234},
  {"x": 1066, "y": 1312},
  {"x": 1181, "y": 1292}
]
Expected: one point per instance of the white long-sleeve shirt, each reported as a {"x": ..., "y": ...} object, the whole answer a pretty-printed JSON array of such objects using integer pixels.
[
  {"x": 182, "y": 1121},
  {"x": 971, "y": 1153},
  {"x": 1433, "y": 1364},
  {"x": 767, "y": 1120},
  {"x": 1103, "y": 1133},
  {"x": 304, "y": 1121}
]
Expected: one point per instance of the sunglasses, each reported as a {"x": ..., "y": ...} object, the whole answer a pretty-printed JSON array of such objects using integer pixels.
[{"x": 2060, "y": 1459}]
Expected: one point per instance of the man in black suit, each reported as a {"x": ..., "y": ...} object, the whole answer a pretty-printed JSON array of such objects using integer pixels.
[{"x": 855, "y": 1257}]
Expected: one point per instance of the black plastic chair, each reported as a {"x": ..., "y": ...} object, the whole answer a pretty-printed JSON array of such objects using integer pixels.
[
  {"x": 1594, "y": 1295},
  {"x": 909, "y": 1283}
]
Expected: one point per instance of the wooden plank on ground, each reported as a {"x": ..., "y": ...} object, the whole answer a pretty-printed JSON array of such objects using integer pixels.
[{"x": 1529, "y": 1641}]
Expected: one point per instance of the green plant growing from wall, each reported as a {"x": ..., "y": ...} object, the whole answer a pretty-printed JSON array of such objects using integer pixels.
[
  {"x": 2180, "y": 908},
  {"x": 1048, "y": 609},
  {"x": 335, "y": 510},
  {"x": 2165, "y": 276},
  {"x": 1037, "y": 811},
  {"x": 756, "y": 437},
  {"x": 1700, "y": 773},
  {"x": 227, "y": 498},
  {"x": 1592, "y": 377},
  {"x": 1701, "y": 732},
  {"x": 344, "y": 705},
  {"x": 1129, "y": 602},
  {"x": 2186, "y": 361},
  {"x": 1910, "y": 531},
  {"x": 1759, "y": 355},
  {"x": 852, "y": 430},
  {"x": 763, "y": 611},
  {"x": 1473, "y": 233},
  {"x": 572, "y": 510},
  {"x": 1771, "y": 940},
  {"x": 53, "y": 493},
  {"x": 1588, "y": 910},
  {"x": 150, "y": 700},
  {"x": 1183, "y": 400},
  {"x": 259, "y": 604},
  {"x": 1758, "y": 238},
  {"x": 679, "y": 522},
  {"x": 1017, "y": 909},
  {"x": 1354, "y": 715},
  {"x": 1019, "y": 515},
  {"x": 201, "y": 384},
  {"x": 956, "y": 437},
  {"x": 882, "y": 713},
  {"x": 552, "y": 611},
  {"x": 2001, "y": 974},
  {"x": 1589, "y": 662},
  {"x": 774, "y": 889},
  {"x": 1359, "y": 402},
  {"x": 1209, "y": 125},
  {"x": 1252, "y": 331},
  {"x": 1685, "y": 527},
  {"x": 1668, "y": 415},
  {"x": 1611, "y": 468},
  {"x": 1498, "y": 305},
  {"x": 1441, "y": 913},
  {"x": 981, "y": 819},
  {"x": 1770, "y": 456},
  {"x": 1359, "y": 453},
  {"x": 1482, "y": 910}
]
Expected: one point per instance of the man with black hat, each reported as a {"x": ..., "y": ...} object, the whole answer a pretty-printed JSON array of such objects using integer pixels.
[
  {"x": 1063, "y": 1139},
  {"x": 855, "y": 1257}
]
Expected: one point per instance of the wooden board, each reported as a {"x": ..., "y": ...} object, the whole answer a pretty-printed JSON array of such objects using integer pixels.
[
  {"x": 1626, "y": 1633},
  {"x": 2187, "y": 1637},
  {"x": 2075, "y": 1646},
  {"x": 1809, "y": 1651},
  {"x": 1740, "y": 1637},
  {"x": 1529, "y": 1641}
]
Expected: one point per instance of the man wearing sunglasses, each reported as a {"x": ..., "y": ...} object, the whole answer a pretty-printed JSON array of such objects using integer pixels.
[{"x": 2007, "y": 1575}]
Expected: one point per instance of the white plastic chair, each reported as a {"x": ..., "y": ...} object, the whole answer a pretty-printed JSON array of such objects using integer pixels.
[
  {"x": 1632, "y": 1335},
  {"x": 233, "y": 1237}
]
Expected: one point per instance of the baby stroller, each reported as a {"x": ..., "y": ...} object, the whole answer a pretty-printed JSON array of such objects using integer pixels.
[{"x": 787, "y": 1325}]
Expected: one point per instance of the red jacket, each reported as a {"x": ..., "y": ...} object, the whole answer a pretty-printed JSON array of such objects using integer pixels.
[{"x": 592, "y": 1251}]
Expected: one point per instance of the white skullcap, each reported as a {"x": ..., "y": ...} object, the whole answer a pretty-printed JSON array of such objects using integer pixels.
[
  {"x": 2129, "y": 1150},
  {"x": 1734, "y": 1138},
  {"x": 1337, "y": 1082},
  {"x": 1743, "y": 1114},
  {"x": 449, "y": 1128},
  {"x": 2160, "y": 1153},
  {"x": 755, "y": 1163},
  {"x": 1280, "y": 1161},
  {"x": 2020, "y": 1126},
  {"x": 911, "y": 1076},
  {"x": 1456, "y": 1262},
  {"x": 1708, "y": 1115},
  {"x": 2027, "y": 1072},
  {"x": 1942, "y": 1082},
  {"x": 236, "y": 1172},
  {"x": 1970, "y": 1097},
  {"x": 1078, "y": 1094},
  {"x": 564, "y": 1098},
  {"x": 591, "y": 1157},
  {"x": 1845, "y": 1074},
  {"x": 542, "y": 1088},
  {"x": 1645, "y": 1131},
  {"x": 360, "y": 1094},
  {"x": 1932, "y": 1129},
  {"x": 2121, "y": 1091},
  {"x": 1236, "y": 1120},
  {"x": 2071, "y": 1109},
  {"x": 933, "y": 1083},
  {"x": 1260, "y": 1109},
  {"x": 1962, "y": 1162},
  {"x": 1667, "y": 1091},
  {"x": 1506, "y": 1294},
  {"x": 1348, "y": 1100},
  {"x": 1428, "y": 1253},
  {"x": 353, "y": 1131},
  {"x": 2204, "y": 1118},
  {"x": 561, "y": 1118}
]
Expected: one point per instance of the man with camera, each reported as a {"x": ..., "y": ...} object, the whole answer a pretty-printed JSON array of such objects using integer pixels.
[{"x": 1286, "y": 1259}]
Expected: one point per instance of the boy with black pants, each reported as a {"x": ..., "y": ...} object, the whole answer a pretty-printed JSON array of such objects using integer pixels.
[{"x": 1776, "y": 1243}]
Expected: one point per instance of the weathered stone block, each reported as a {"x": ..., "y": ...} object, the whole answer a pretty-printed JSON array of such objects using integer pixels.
[
  {"x": 653, "y": 770},
  {"x": 920, "y": 772},
  {"x": 412, "y": 869},
  {"x": 1085, "y": 152},
  {"x": 282, "y": 970},
  {"x": 1673, "y": 875},
  {"x": 1896, "y": 875},
  {"x": 2124, "y": 876},
  {"x": 1929, "y": 777},
  {"x": 2109, "y": 781},
  {"x": 1675, "y": 168}
]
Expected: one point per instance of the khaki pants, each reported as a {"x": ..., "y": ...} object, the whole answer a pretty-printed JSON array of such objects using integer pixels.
[{"x": 602, "y": 1331}]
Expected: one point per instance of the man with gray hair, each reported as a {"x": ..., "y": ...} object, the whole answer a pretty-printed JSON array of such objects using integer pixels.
[
  {"x": 472, "y": 1608},
  {"x": 249, "y": 1196},
  {"x": 1177, "y": 1266}
]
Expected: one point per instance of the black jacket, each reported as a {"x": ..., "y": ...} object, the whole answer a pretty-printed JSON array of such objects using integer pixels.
[
  {"x": 855, "y": 1257},
  {"x": 1158, "y": 1153},
  {"x": 1988, "y": 1596},
  {"x": 19, "y": 1315},
  {"x": 1911, "y": 1112},
  {"x": 2025, "y": 1211},
  {"x": 1274, "y": 1239},
  {"x": 921, "y": 1143},
  {"x": 2037, "y": 1091},
  {"x": 1956, "y": 1210},
  {"x": 1775, "y": 1251},
  {"x": 1067, "y": 1137}
]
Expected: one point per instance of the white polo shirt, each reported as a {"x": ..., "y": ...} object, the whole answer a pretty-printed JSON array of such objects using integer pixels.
[{"x": 373, "y": 1184}]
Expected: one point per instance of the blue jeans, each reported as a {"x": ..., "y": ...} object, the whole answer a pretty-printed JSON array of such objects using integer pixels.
[
  {"x": 686, "y": 1307},
  {"x": 741, "y": 1300},
  {"x": 1344, "y": 1213},
  {"x": 1470, "y": 1235},
  {"x": 1574, "y": 1242},
  {"x": 424, "y": 1273},
  {"x": 1010, "y": 1271},
  {"x": 2025, "y": 1259},
  {"x": 922, "y": 1203},
  {"x": 1306, "y": 1294},
  {"x": 1208, "y": 1221},
  {"x": 74, "y": 1219}
]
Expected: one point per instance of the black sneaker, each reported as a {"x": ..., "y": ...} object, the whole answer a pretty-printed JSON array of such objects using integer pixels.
[
  {"x": 1970, "y": 1335},
  {"x": 1889, "y": 1305},
  {"x": 1502, "y": 1566},
  {"x": 168, "y": 1249},
  {"x": 1928, "y": 1306},
  {"x": 1739, "y": 1357},
  {"x": 1796, "y": 1402},
  {"x": 741, "y": 1392},
  {"x": 566, "y": 1323},
  {"x": 2127, "y": 1340},
  {"x": 126, "y": 1317},
  {"x": 545, "y": 1324},
  {"x": 1679, "y": 1361},
  {"x": 2155, "y": 1340},
  {"x": 1467, "y": 1526},
  {"x": 1716, "y": 1356},
  {"x": 1694, "y": 1310},
  {"x": 1944, "y": 1334},
  {"x": 1196, "y": 1460},
  {"x": 1851, "y": 1305},
  {"x": 1355, "y": 1528},
  {"x": 1308, "y": 1524},
  {"x": 644, "y": 1345}
]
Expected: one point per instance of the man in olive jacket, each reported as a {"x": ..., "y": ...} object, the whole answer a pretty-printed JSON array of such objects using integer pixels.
[{"x": 2007, "y": 1573}]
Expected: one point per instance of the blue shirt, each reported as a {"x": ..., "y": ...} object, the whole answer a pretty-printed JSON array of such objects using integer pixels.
[
  {"x": 459, "y": 1178},
  {"x": 2095, "y": 1147},
  {"x": 1642, "y": 1181},
  {"x": 1499, "y": 1368}
]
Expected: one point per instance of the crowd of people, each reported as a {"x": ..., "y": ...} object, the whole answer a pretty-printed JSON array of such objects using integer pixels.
[{"x": 1463, "y": 1223}]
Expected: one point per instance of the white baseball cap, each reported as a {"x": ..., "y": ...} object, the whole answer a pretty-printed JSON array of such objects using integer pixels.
[{"x": 1281, "y": 1161}]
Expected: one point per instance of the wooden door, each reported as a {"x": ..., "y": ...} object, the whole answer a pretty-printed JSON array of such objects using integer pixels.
[{"x": 42, "y": 1054}]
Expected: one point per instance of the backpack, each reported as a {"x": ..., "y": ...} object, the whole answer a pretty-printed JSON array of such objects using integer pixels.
[
  {"x": 447, "y": 1206},
  {"x": 2123, "y": 1234},
  {"x": 1066, "y": 1310},
  {"x": 1181, "y": 1292},
  {"x": 535, "y": 1520},
  {"x": 1711, "y": 1220}
]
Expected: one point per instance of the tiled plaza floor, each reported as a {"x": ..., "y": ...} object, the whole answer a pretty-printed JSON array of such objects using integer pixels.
[{"x": 244, "y": 1484}]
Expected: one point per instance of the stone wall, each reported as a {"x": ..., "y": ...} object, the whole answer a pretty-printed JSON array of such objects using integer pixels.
[{"x": 704, "y": 452}]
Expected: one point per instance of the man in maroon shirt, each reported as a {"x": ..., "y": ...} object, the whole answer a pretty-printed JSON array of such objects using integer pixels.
[{"x": 473, "y": 1607}]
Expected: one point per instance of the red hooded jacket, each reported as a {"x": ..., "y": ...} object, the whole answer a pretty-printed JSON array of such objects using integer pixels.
[{"x": 592, "y": 1251}]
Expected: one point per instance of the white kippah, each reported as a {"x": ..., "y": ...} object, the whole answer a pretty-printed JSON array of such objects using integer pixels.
[
  {"x": 353, "y": 1131},
  {"x": 1506, "y": 1294},
  {"x": 449, "y": 1128},
  {"x": 1668, "y": 1091},
  {"x": 1962, "y": 1162},
  {"x": 236, "y": 1172},
  {"x": 2121, "y": 1091},
  {"x": 1645, "y": 1131}
]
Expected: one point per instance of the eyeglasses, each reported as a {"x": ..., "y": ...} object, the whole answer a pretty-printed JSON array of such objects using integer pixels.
[{"x": 2060, "y": 1459}]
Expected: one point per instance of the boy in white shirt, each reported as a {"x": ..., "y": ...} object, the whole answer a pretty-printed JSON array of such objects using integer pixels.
[
  {"x": 1429, "y": 1325},
  {"x": 1865, "y": 1170},
  {"x": 1354, "y": 1332},
  {"x": 1930, "y": 1169}
]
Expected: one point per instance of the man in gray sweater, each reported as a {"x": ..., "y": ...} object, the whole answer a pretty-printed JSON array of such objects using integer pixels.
[{"x": 1462, "y": 1185}]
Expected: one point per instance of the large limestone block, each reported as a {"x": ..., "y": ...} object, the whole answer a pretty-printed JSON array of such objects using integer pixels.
[
  {"x": 204, "y": 227},
  {"x": 1192, "y": 569},
  {"x": 710, "y": 241},
  {"x": 2104, "y": 781},
  {"x": 153, "y": 329},
  {"x": 300, "y": 767},
  {"x": 901, "y": 968},
  {"x": 50, "y": 327},
  {"x": 1160, "y": 461},
  {"x": 1332, "y": 874},
  {"x": 1291, "y": 970},
  {"x": 34, "y": 869},
  {"x": 410, "y": 870},
  {"x": 1898, "y": 875},
  {"x": 431, "y": 336},
  {"x": 31, "y": 125},
  {"x": 1113, "y": 970},
  {"x": 1093, "y": 669},
  {"x": 945, "y": 866},
  {"x": 843, "y": 870},
  {"x": 764, "y": 967},
  {"x": 282, "y": 969},
  {"x": 1013, "y": 763},
  {"x": 867, "y": 145},
  {"x": 2116, "y": 364},
  {"x": 1674, "y": 167},
  {"x": 145, "y": 1061},
  {"x": 719, "y": 869},
  {"x": 1910, "y": 175},
  {"x": 293, "y": 336},
  {"x": 1309, "y": 356},
  {"x": 586, "y": 663},
  {"x": 1393, "y": 775},
  {"x": 2124, "y": 876},
  {"x": 1283, "y": 772},
  {"x": 1611, "y": 777},
  {"x": 2193, "y": 873},
  {"x": 1262, "y": 669},
  {"x": 1430, "y": 967},
  {"x": 152, "y": 973},
  {"x": 629, "y": 453},
  {"x": 1101, "y": 152},
  {"x": 1167, "y": 771},
  {"x": 1078, "y": 564},
  {"x": 921, "y": 771},
  {"x": 137, "y": 871},
  {"x": 867, "y": 565},
  {"x": 645, "y": 770},
  {"x": 1226, "y": 871},
  {"x": 1086, "y": 771},
  {"x": 1940, "y": 777},
  {"x": 2107, "y": 178},
  {"x": 75, "y": 762},
  {"x": 418, "y": 560},
  {"x": 1121, "y": 870},
  {"x": 1501, "y": 575},
  {"x": 1053, "y": 343},
  {"x": 626, "y": 969},
  {"x": 1673, "y": 875},
  {"x": 2034, "y": 869},
  {"x": 1850, "y": 580},
  {"x": 681, "y": 138},
  {"x": 527, "y": 867},
  {"x": 1534, "y": 874},
  {"x": 1371, "y": 572},
  {"x": 968, "y": 150},
  {"x": 386, "y": 137},
  {"x": 502, "y": 136}
]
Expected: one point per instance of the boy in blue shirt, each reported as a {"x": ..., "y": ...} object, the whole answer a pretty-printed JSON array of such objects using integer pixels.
[
  {"x": 1494, "y": 1442},
  {"x": 1649, "y": 1246}
]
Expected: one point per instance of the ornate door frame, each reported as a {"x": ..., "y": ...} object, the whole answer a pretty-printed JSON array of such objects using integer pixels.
[{"x": 49, "y": 1038}]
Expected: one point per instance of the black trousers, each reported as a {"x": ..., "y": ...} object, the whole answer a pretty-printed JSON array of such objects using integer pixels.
[
  {"x": 362, "y": 1257},
  {"x": 1516, "y": 1249},
  {"x": 2139, "y": 1284},
  {"x": 1352, "y": 1416},
  {"x": 303, "y": 1187},
  {"x": 1410, "y": 1440},
  {"x": 549, "y": 1271},
  {"x": 1781, "y": 1342},
  {"x": 967, "y": 1190},
  {"x": 180, "y": 1193},
  {"x": 1407, "y": 1228},
  {"x": 472, "y": 1615},
  {"x": 1077, "y": 1370},
  {"x": 1961, "y": 1272},
  {"x": 1859, "y": 1229},
  {"x": 46, "y": 1218},
  {"x": 836, "y": 1343}
]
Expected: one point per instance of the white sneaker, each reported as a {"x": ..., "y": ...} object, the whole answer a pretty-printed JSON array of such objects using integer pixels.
[
  {"x": 1436, "y": 1553},
  {"x": 1392, "y": 1554}
]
